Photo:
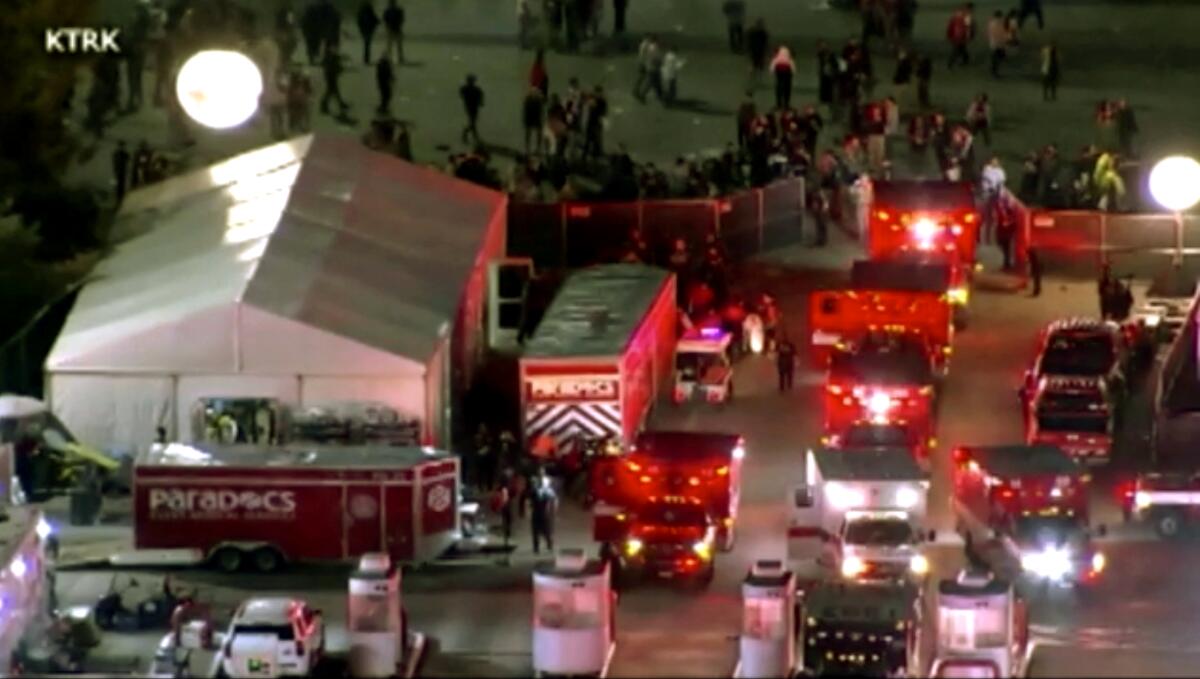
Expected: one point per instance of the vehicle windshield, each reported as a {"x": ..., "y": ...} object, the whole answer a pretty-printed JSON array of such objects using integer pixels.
[
  {"x": 283, "y": 632},
  {"x": 1078, "y": 356},
  {"x": 877, "y": 435},
  {"x": 1049, "y": 531},
  {"x": 692, "y": 365},
  {"x": 674, "y": 515},
  {"x": 1074, "y": 423},
  {"x": 890, "y": 532}
]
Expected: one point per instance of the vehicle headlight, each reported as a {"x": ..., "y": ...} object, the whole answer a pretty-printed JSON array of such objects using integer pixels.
[
  {"x": 1098, "y": 562},
  {"x": 1052, "y": 564},
  {"x": 633, "y": 547},
  {"x": 1152, "y": 320},
  {"x": 703, "y": 549},
  {"x": 907, "y": 498},
  {"x": 919, "y": 565},
  {"x": 852, "y": 567},
  {"x": 958, "y": 295},
  {"x": 1141, "y": 499}
]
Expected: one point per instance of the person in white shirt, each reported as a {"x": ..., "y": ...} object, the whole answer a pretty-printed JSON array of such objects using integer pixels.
[
  {"x": 671, "y": 64},
  {"x": 992, "y": 180},
  {"x": 997, "y": 34}
]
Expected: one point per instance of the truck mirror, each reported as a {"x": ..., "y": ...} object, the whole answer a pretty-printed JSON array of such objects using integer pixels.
[
  {"x": 932, "y": 537},
  {"x": 803, "y": 497}
]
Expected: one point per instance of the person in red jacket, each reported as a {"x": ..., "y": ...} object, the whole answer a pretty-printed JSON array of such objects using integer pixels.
[{"x": 958, "y": 33}]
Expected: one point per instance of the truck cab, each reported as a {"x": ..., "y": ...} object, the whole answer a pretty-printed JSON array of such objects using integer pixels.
[
  {"x": 860, "y": 515},
  {"x": 1073, "y": 413},
  {"x": 995, "y": 486},
  {"x": 982, "y": 628},
  {"x": 930, "y": 272},
  {"x": 1081, "y": 348},
  {"x": 874, "y": 545},
  {"x": 1168, "y": 501},
  {"x": 706, "y": 466},
  {"x": 669, "y": 537},
  {"x": 860, "y": 629},
  {"x": 895, "y": 434},
  {"x": 1058, "y": 550},
  {"x": 887, "y": 379},
  {"x": 704, "y": 366}
]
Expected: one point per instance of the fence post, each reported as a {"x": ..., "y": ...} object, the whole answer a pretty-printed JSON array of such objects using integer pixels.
[
  {"x": 1103, "y": 238},
  {"x": 562, "y": 227},
  {"x": 1177, "y": 260}
]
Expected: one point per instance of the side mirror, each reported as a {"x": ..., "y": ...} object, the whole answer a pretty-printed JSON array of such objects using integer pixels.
[
  {"x": 803, "y": 498},
  {"x": 1102, "y": 531}
]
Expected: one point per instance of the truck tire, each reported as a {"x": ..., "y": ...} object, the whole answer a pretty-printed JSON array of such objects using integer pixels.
[
  {"x": 228, "y": 559},
  {"x": 266, "y": 560},
  {"x": 1168, "y": 524}
]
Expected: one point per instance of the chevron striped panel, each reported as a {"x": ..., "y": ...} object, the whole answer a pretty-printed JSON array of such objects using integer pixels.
[{"x": 566, "y": 422}]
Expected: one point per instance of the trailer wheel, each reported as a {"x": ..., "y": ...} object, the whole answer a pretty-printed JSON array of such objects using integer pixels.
[
  {"x": 228, "y": 559},
  {"x": 1169, "y": 524},
  {"x": 266, "y": 560}
]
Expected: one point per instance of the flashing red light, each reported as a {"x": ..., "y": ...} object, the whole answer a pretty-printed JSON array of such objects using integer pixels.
[
  {"x": 1007, "y": 494},
  {"x": 969, "y": 218},
  {"x": 883, "y": 215}
]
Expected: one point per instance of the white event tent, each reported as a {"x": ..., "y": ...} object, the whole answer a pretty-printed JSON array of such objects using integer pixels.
[{"x": 313, "y": 270}]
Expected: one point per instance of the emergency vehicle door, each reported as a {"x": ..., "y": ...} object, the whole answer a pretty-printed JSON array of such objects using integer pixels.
[
  {"x": 362, "y": 510},
  {"x": 508, "y": 284},
  {"x": 804, "y": 515}
]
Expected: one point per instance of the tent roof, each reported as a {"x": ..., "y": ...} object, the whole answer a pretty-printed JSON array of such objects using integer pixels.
[
  {"x": 318, "y": 230},
  {"x": 596, "y": 311}
]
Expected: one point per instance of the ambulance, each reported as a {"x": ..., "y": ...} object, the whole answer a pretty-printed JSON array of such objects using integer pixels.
[
  {"x": 704, "y": 366},
  {"x": 982, "y": 628}
]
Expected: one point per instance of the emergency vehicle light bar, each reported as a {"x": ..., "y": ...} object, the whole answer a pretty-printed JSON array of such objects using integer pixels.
[{"x": 1178, "y": 498}]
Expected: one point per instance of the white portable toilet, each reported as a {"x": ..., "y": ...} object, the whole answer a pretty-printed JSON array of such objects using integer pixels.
[
  {"x": 374, "y": 621},
  {"x": 768, "y": 639},
  {"x": 573, "y": 615}
]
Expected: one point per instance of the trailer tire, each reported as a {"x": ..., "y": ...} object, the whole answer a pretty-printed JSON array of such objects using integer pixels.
[
  {"x": 228, "y": 559},
  {"x": 1169, "y": 524},
  {"x": 266, "y": 560}
]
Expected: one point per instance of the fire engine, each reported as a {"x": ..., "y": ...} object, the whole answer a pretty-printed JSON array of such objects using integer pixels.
[
  {"x": 1073, "y": 413},
  {"x": 1080, "y": 347},
  {"x": 994, "y": 486},
  {"x": 703, "y": 365},
  {"x": 885, "y": 380},
  {"x": 861, "y": 629},
  {"x": 840, "y": 318},
  {"x": 916, "y": 272},
  {"x": 867, "y": 508},
  {"x": 706, "y": 466},
  {"x": 1169, "y": 501},
  {"x": 933, "y": 218},
  {"x": 666, "y": 537},
  {"x": 982, "y": 628}
]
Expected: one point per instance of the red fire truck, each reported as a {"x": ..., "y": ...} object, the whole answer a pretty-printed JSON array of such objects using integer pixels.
[
  {"x": 994, "y": 486},
  {"x": 601, "y": 356},
  {"x": 264, "y": 507},
  {"x": 926, "y": 217},
  {"x": 1074, "y": 413},
  {"x": 885, "y": 380},
  {"x": 839, "y": 318},
  {"x": 702, "y": 465},
  {"x": 915, "y": 272}
]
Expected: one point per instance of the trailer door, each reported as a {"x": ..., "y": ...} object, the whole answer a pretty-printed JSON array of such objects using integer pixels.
[
  {"x": 399, "y": 520},
  {"x": 363, "y": 514}
]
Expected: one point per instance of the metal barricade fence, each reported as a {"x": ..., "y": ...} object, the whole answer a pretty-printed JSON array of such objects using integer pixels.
[
  {"x": 575, "y": 235},
  {"x": 1079, "y": 241}
]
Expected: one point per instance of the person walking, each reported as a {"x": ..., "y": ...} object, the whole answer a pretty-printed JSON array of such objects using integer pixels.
[
  {"x": 502, "y": 504},
  {"x": 597, "y": 114},
  {"x": 1051, "y": 72},
  {"x": 671, "y": 64},
  {"x": 958, "y": 34},
  {"x": 543, "y": 506},
  {"x": 393, "y": 23},
  {"x": 135, "y": 67},
  {"x": 784, "y": 69},
  {"x": 785, "y": 364},
  {"x": 1105, "y": 289},
  {"x": 276, "y": 100},
  {"x": 997, "y": 34},
  {"x": 532, "y": 112},
  {"x": 746, "y": 114},
  {"x": 120, "y": 166},
  {"x": 299, "y": 101},
  {"x": 647, "y": 57},
  {"x": 368, "y": 23},
  {"x": 757, "y": 40},
  {"x": 993, "y": 182},
  {"x": 539, "y": 77},
  {"x": 331, "y": 69},
  {"x": 924, "y": 76},
  {"x": 483, "y": 445},
  {"x": 903, "y": 77},
  {"x": 310, "y": 30},
  {"x": 620, "y": 7},
  {"x": 385, "y": 79},
  {"x": 286, "y": 27},
  {"x": 827, "y": 72},
  {"x": 1031, "y": 8},
  {"x": 735, "y": 19},
  {"x": 1035, "y": 270},
  {"x": 979, "y": 118},
  {"x": 1127, "y": 127},
  {"x": 472, "y": 98},
  {"x": 1006, "y": 229}
]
